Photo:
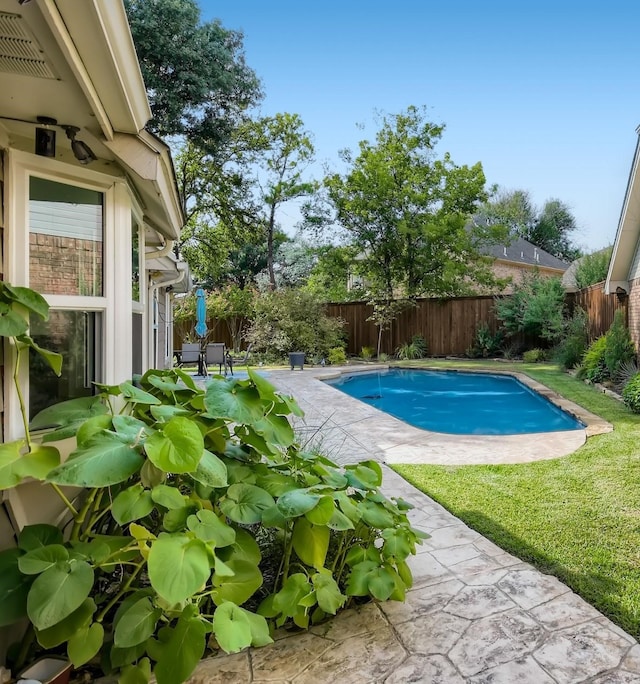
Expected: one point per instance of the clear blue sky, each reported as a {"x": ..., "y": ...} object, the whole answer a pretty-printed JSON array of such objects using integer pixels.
[{"x": 545, "y": 94}]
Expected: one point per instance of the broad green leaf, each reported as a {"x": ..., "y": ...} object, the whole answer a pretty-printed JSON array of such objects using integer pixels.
[
  {"x": 294, "y": 589},
  {"x": 85, "y": 643},
  {"x": 328, "y": 593},
  {"x": 12, "y": 323},
  {"x": 245, "y": 548},
  {"x": 396, "y": 543},
  {"x": 376, "y": 515},
  {"x": 211, "y": 471},
  {"x": 58, "y": 591},
  {"x": 130, "y": 429},
  {"x": 65, "y": 629},
  {"x": 348, "y": 506},
  {"x": 36, "y": 536},
  {"x": 370, "y": 578},
  {"x": 64, "y": 432},
  {"x": 14, "y": 587},
  {"x": 96, "y": 551},
  {"x": 132, "y": 504},
  {"x": 165, "y": 412},
  {"x": 241, "y": 586},
  {"x": 333, "y": 478},
  {"x": 358, "y": 582},
  {"x": 119, "y": 657},
  {"x": 175, "y": 520},
  {"x": 232, "y": 628},
  {"x": 130, "y": 600},
  {"x": 221, "y": 569},
  {"x": 323, "y": 512},
  {"x": 382, "y": 583},
  {"x": 167, "y": 496},
  {"x": 275, "y": 429},
  {"x": 52, "y": 359},
  {"x": 177, "y": 448},
  {"x": 273, "y": 517},
  {"x": 362, "y": 477},
  {"x": 178, "y": 566},
  {"x": 151, "y": 476},
  {"x": 404, "y": 572},
  {"x": 207, "y": 526},
  {"x": 286, "y": 405},
  {"x": 136, "y": 624},
  {"x": 67, "y": 412},
  {"x": 183, "y": 649},
  {"x": 167, "y": 385},
  {"x": 310, "y": 542},
  {"x": 38, "y": 560},
  {"x": 91, "y": 427},
  {"x": 244, "y": 503},
  {"x": 136, "y": 674},
  {"x": 260, "y": 635},
  {"x": 103, "y": 461},
  {"x": 31, "y": 300},
  {"x": 297, "y": 502},
  {"x": 137, "y": 396},
  {"x": 9, "y": 457},
  {"x": 233, "y": 402},
  {"x": 39, "y": 462},
  {"x": 276, "y": 483},
  {"x": 339, "y": 521}
]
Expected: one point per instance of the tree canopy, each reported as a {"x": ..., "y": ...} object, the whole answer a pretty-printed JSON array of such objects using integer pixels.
[{"x": 197, "y": 80}]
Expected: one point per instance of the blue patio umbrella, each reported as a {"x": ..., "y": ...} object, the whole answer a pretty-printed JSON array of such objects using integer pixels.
[{"x": 201, "y": 313}]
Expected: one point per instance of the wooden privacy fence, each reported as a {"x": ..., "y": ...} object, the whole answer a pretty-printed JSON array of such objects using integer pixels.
[
  {"x": 599, "y": 306},
  {"x": 447, "y": 325}
]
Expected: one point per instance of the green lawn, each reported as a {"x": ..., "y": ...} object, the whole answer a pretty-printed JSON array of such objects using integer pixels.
[{"x": 576, "y": 517}]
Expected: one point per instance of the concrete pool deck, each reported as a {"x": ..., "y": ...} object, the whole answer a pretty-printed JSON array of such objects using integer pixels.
[
  {"x": 475, "y": 613},
  {"x": 350, "y": 430}
]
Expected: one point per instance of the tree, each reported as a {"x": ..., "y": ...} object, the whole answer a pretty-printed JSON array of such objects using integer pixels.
[
  {"x": 512, "y": 209},
  {"x": 593, "y": 268},
  {"x": 284, "y": 150},
  {"x": 553, "y": 228},
  {"x": 329, "y": 277},
  {"x": 407, "y": 212},
  {"x": 293, "y": 261},
  {"x": 198, "y": 83}
]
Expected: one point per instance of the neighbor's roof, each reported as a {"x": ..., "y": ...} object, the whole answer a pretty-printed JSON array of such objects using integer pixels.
[{"x": 523, "y": 252}]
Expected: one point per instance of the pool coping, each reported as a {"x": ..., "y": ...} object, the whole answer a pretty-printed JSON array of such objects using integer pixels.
[{"x": 594, "y": 424}]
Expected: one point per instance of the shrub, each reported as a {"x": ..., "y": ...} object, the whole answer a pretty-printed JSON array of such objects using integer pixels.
[
  {"x": 626, "y": 371},
  {"x": 593, "y": 365},
  {"x": 415, "y": 349},
  {"x": 293, "y": 320},
  {"x": 575, "y": 340},
  {"x": 536, "y": 308},
  {"x": 337, "y": 355},
  {"x": 534, "y": 356},
  {"x": 382, "y": 357},
  {"x": 592, "y": 268},
  {"x": 366, "y": 353},
  {"x": 485, "y": 343},
  {"x": 631, "y": 393},
  {"x": 620, "y": 347}
]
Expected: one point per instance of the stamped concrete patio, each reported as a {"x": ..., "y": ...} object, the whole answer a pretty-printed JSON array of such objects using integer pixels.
[{"x": 475, "y": 613}]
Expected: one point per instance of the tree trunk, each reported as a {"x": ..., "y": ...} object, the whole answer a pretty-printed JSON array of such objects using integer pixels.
[{"x": 272, "y": 220}]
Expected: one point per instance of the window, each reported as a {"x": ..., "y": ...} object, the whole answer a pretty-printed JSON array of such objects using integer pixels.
[{"x": 65, "y": 239}]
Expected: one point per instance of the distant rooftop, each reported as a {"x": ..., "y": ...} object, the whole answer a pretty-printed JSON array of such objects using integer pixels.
[{"x": 523, "y": 252}]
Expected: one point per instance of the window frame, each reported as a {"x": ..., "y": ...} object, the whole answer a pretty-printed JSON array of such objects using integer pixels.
[{"x": 115, "y": 304}]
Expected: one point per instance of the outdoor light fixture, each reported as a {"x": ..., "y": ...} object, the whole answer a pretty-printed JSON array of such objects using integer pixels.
[
  {"x": 46, "y": 137},
  {"x": 81, "y": 151}
]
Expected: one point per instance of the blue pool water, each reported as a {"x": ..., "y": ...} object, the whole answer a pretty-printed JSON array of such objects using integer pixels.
[{"x": 458, "y": 403}]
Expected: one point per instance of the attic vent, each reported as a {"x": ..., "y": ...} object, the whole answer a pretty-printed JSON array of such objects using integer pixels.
[{"x": 19, "y": 52}]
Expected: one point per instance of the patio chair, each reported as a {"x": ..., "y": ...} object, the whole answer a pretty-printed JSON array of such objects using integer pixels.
[
  {"x": 190, "y": 354},
  {"x": 215, "y": 353},
  {"x": 234, "y": 361}
]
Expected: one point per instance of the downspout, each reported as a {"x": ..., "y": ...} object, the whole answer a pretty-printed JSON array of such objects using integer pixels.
[{"x": 152, "y": 290}]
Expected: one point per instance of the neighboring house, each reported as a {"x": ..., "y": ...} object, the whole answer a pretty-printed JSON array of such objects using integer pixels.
[
  {"x": 509, "y": 261},
  {"x": 89, "y": 211},
  {"x": 623, "y": 277},
  {"x": 520, "y": 257}
]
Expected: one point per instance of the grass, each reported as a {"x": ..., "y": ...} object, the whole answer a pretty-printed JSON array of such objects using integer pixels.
[{"x": 576, "y": 517}]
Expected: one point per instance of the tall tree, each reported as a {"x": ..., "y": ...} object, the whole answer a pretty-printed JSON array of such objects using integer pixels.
[
  {"x": 512, "y": 208},
  {"x": 284, "y": 151},
  {"x": 553, "y": 229},
  {"x": 198, "y": 83},
  {"x": 407, "y": 211}
]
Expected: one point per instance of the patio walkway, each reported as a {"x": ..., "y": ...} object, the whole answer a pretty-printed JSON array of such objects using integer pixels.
[{"x": 475, "y": 613}]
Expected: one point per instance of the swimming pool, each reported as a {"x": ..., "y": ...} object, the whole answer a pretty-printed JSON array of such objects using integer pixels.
[{"x": 456, "y": 402}]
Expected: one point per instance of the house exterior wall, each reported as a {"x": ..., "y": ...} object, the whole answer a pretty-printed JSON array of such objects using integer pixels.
[
  {"x": 509, "y": 269},
  {"x": 634, "y": 310}
]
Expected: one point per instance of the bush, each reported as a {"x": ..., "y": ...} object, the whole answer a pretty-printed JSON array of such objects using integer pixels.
[
  {"x": 337, "y": 355},
  {"x": 293, "y": 320},
  {"x": 593, "y": 365},
  {"x": 592, "y": 268},
  {"x": 575, "y": 340},
  {"x": 631, "y": 393},
  {"x": 620, "y": 347},
  {"x": 534, "y": 356},
  {"x": 366, "y": 353},
  {"x": 416, "y": 349},
  {"x": 485, "y": 343},
  {"x": 188, "y": 492},
  {"x": 536, "y": 308}
]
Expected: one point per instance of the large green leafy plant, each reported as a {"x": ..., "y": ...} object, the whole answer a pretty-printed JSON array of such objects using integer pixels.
[{"x": 181, "y": 490}]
